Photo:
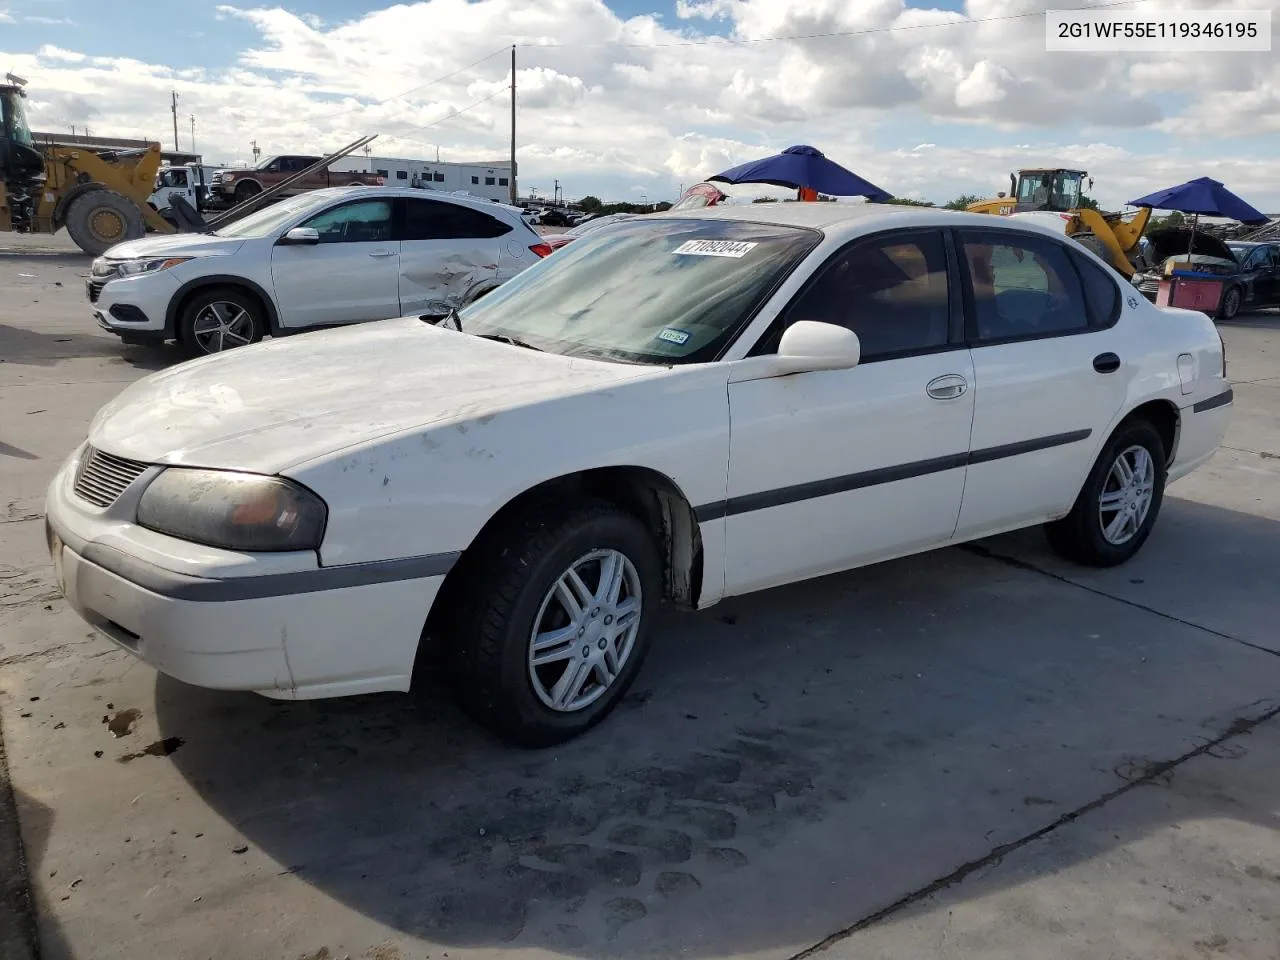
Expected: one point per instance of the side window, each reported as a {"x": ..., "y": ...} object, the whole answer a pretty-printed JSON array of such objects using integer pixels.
[
  {"x": 439, "y": 220},
  {"x": 366, "y": 221},
  {"x": 892, "y": 292},
  {"x": 1023, "y": 286},
  {"x": 1275, "y": 256},
  {"x": 275, "y": 166},
  {"x": 1100, "y": 291}
]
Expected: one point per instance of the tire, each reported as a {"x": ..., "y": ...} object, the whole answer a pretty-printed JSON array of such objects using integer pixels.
[
  {"x": 510, "y": 588},
  {"x": 1081, "y": 536},
  {"x": 246, "y": 189},
  {"x": 100, "y": 219},
  {"x": 1229, "y": 308},
  {"x": 215, "y": 307}
]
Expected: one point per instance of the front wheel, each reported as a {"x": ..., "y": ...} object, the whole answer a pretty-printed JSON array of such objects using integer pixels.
[
  {"x": 220, "y": 319},
  {"x": 553, "y": 621},
  {"x": 1118, "y": 505}
]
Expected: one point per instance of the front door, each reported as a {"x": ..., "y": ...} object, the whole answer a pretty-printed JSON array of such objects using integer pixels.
[
  {"x": 1052, "y": 370},
  {"x": 832, "y": 469},
  {"x": 447, "y": 252},
  {"x": 351, "y": 275}
]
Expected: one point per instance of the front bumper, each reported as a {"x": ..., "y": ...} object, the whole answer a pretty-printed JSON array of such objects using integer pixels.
[
  {"x": 233, "y": 621},
  {"x": 134, "y": 308}
]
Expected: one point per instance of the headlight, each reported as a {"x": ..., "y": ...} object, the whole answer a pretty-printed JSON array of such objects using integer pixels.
[
  {"x": 130, "y": 268},
  {"x": 238, "y": 511}
]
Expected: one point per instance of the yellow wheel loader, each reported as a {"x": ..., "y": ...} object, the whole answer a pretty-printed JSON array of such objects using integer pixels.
[
  {"x": 100, "y": 198},
  {"x": 1055, "y": 194}
]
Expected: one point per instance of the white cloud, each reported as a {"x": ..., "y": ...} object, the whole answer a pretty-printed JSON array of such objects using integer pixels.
[
  {"x": 602, "y": 112},
  {"x": 49, "y": 21},
  {"x": 5, "y": 16}
]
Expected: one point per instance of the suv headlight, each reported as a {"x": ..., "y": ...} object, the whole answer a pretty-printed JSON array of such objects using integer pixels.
[
  {"x": 236, "y": 511},
  {"x": 131, "y": 268}
]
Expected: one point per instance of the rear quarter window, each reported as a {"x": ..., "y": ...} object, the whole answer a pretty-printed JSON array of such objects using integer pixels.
[{"x": 1101, "y": 294}]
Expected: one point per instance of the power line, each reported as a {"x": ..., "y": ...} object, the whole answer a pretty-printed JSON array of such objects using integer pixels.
[
  {"x": 431, "y": 83},
  {"x": 736, "y": 41},
  {"x": 496, "y": 93}
]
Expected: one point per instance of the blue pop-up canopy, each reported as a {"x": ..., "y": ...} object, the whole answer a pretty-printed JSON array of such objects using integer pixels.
[
  {"x": 804, "y": 167},
  {"x": 1201, "y": 196}
]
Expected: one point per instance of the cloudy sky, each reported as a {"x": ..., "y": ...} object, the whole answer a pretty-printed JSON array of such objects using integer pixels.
[{"x": 631, "y": 98}]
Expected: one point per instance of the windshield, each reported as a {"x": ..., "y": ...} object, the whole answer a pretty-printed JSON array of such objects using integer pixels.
[
  {"x": 265, "y": 221},
  {"x": 264, "y": 163},
  {"x": 591, "y": 226},
  {"x": 18, "y": 128},
  {"x": 645, "y": 291}
]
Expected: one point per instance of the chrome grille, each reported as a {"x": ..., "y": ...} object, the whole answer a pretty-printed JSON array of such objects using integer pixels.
[{"x": 101, "y": 477}]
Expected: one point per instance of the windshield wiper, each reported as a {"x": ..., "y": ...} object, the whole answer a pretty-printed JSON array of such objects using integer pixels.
[
  {"x": 450, "y": 321},
  {"x": 503, "y": 338}
]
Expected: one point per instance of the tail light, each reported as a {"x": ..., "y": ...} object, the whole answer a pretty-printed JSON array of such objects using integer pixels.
[{"x": 542, "y": 249}]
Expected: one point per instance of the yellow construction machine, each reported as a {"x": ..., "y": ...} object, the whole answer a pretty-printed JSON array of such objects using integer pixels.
[
  {"x": 1112, "y": 236},
  {"x": 101, "y": 198}
]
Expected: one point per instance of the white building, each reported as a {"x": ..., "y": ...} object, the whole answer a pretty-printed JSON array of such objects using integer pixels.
[{"x": 488, "y": 180}]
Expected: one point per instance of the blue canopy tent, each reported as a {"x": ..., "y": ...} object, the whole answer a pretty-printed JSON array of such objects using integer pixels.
[
  {"x": 1201, "y": 195},
  {"x": 806, "y": 169}
]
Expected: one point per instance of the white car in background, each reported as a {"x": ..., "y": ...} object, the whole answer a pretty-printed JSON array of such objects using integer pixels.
[
  {"x": 680, "y": 407},
  {"x": 325, "y": 258}
]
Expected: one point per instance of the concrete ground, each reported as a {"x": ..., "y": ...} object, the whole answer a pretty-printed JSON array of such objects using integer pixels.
[{"x": 977, "y": 752}]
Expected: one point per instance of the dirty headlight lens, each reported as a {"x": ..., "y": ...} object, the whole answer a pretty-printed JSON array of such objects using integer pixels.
[{"x": 237, "y": 511}]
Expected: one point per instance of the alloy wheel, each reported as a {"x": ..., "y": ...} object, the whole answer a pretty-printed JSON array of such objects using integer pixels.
[
  {"x": 585, "y": 631},
  {"x": 222, "y": 325},
  {"x": 1126, "y": 495}
]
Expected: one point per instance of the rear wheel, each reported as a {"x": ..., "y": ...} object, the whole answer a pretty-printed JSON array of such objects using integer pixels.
[
  {"x": 221, "y": 319},
  {"x": 100, "y": 219},
  {"x": 1118, "y": 505},
  {"x": 1232, "y": 298},
  {"x": 551, "y": 622}
]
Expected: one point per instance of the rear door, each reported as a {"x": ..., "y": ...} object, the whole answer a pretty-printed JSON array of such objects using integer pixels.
[
  {"x": 349, "y": 276},
  {"x": 1051, "y": 367},
  {"x": 1267, "y": 285},
  {"x": 448, "y": 251}
]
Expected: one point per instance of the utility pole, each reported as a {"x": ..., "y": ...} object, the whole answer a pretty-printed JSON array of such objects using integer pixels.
[
  {"x": 555, "y": 193},
  {"x": 193, "y": 133},
  {"x": 174, "y": 108},
  {"x": 513, "y": 124},
  {"x": 73, "y": 129},
  {"x": 256, "y": 151}
]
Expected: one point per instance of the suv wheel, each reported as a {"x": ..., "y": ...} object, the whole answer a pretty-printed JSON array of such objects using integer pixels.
[{"x": 221, "y": 319}]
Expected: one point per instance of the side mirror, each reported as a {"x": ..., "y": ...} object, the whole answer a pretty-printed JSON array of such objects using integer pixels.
[
  {"x": 300, "y": 236},
  {"x": 808, "y": 345}
]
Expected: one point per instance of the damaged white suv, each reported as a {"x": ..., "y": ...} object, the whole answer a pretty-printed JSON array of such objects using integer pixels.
[{"x": 326, "y": 258}]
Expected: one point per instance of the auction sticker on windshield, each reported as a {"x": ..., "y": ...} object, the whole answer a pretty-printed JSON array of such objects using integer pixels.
[{"x": 736, "y": 249}]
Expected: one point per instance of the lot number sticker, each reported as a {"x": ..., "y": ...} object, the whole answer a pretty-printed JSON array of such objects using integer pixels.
[{"x": 734, "y": 249}]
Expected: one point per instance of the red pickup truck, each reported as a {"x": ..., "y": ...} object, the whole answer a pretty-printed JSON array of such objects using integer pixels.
[{"x": 237, "y": 186}]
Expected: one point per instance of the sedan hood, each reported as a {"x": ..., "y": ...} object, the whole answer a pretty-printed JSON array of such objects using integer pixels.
[
  {"x": 268, "y": 407},
  {"x": 1175, "y": 241},
  {"x": 175, "y": 245}
]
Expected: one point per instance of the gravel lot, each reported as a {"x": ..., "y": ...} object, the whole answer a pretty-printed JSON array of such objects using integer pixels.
[{"x": 977, "y": 752}]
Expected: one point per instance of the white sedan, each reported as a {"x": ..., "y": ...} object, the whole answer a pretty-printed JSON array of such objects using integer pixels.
[
  {"x": 680, "y": 407},
  {"x": 324, "y": 258}
]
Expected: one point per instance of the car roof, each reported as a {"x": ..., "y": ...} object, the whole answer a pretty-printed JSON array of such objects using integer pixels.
[
  {"x": 478, "y": 203},
  {"x": 851, "y": 219}
]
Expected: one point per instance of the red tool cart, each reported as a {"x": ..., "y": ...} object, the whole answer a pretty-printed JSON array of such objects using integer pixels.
[{"x": 1191, "y": 290}]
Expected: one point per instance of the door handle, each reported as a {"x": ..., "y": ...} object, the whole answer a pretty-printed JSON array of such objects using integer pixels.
[
  {"x": 947, "y": 387},
  {"x": 382, "y": 253},
  {"x": 1106, "y": 363}
]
